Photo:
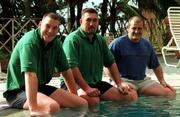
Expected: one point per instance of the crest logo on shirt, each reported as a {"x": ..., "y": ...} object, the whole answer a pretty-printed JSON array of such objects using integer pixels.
[{"x": 30, "y": 62}]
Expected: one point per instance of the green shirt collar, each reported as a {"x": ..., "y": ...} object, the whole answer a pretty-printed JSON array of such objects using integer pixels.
[
  {"x": 83, "y": 34},
  {"x": 42, "y": 43}
]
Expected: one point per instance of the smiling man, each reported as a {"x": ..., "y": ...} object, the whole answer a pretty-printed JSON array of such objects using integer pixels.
[
  {"x": 31, "y": 67},
  {"x": 133, "y": 54}
]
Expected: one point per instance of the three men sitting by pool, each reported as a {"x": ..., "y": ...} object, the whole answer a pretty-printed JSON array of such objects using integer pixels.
[{"x": 81, "y": 60}]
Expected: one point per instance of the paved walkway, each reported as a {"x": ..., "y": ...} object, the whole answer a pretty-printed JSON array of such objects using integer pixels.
[{"x": 171, "y": 75}]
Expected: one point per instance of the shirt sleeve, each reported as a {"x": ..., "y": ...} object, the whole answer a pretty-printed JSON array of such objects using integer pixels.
[
  {"x": 153, "y": 61},
  {"x": 62, "y": 60},
  {"x": 107, "y": 55},
  {"x": 28, "y": 58},
  {"x": 115, "y": 50},
  {"x": 71, "y": 50}
]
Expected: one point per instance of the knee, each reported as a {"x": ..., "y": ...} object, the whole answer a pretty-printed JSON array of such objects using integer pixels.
[
  {"x": 84, "y": 103},
  {"x": 53, "y": 107},
  {"x": 94, "y": 101},
  {"x": 170, "y": 94},
  {"x": 132, "y": 96}
]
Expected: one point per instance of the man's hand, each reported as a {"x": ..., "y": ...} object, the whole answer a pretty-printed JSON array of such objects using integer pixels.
[
  {"x": 124, "y": 88},
  {"x": 163, "y": 83},
  {"x": 93, "y": 92}
]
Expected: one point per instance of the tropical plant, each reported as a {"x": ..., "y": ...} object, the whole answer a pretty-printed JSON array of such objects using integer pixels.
[{"x": 114, "y": 14}]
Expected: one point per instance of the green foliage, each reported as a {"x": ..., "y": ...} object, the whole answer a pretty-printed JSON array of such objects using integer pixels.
[{"x": 122, "y": 9}]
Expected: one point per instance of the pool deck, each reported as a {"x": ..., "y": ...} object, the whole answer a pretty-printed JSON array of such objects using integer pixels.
[{"x": 171, "y": 75}]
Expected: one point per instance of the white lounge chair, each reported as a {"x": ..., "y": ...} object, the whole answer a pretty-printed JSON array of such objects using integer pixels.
[{"x": 174, "y": 43}]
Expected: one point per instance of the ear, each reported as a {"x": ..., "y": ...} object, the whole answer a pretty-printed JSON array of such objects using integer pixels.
[
  {"x": 80, "y": 21},
  {"x": 127, "y": 27},
  {"x": 39, "y": 25}
]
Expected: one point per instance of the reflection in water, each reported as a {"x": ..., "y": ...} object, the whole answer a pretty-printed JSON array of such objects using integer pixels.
[
  {"x": 144, "y": 107},
  {"x": 72, "y": 112}
]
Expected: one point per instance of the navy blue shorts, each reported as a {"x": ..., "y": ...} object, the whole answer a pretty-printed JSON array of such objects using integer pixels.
[{"x": 16, "y": 98}]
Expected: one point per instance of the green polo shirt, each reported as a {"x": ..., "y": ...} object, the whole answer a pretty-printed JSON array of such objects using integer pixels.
[
  {"x": 31, "y": 54},
  {"x": 89, "y": 57}
]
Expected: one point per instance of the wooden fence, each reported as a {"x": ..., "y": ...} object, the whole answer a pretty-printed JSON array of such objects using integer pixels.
[{"x": 12, "y": 29}]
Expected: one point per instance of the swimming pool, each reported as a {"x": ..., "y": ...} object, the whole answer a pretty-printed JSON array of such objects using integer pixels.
[{"x": 144, "y": 107}]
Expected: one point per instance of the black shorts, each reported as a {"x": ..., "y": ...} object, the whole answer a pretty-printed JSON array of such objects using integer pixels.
[
  {"x": 101, "y": 86},
  {"x": 16, "y": 98}
]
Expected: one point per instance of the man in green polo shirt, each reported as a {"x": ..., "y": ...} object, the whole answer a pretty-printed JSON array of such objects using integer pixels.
[
  {"x": 31, "y": 67},
  {"x": 87, "y": 53}
]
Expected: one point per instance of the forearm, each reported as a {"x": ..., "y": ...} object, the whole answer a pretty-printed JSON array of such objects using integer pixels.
[
  {"x": 83, "y": 84},
  {"x": 159, "y": 74},
  {"x": 114, "y": 73},
  {"x": 123, "y": 87},
  {"x": 31, "y": 87},
  {"x": 69, "y": 81},
  {"x": 79, "y": 79}
]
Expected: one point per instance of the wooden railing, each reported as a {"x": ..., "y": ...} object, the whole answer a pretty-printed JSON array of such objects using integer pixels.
[{"x": 12, "y": 29}]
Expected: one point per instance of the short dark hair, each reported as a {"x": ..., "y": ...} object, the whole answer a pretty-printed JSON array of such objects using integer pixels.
[
  {"x": 88, "y": 10},
  {"x": 53, "y": 16}
]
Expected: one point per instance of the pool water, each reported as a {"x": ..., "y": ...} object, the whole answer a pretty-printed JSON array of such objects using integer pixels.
[{"x": 144, "y": 107}]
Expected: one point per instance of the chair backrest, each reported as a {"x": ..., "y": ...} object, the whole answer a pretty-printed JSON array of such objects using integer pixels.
[{"x": 174, "y": 23}]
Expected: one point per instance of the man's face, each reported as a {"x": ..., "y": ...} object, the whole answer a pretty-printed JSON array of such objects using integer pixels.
[
  {"x": 89, "y": 22},
  {"x": 49, "y": 29},
  {"x": 135, "y": 30}
]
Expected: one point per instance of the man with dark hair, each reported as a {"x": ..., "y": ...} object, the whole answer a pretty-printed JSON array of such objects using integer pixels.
[
  {"x": 133, "y": 54},
  {"x": 31, "y": 67},
  {"x": 87, "y": 53}
]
